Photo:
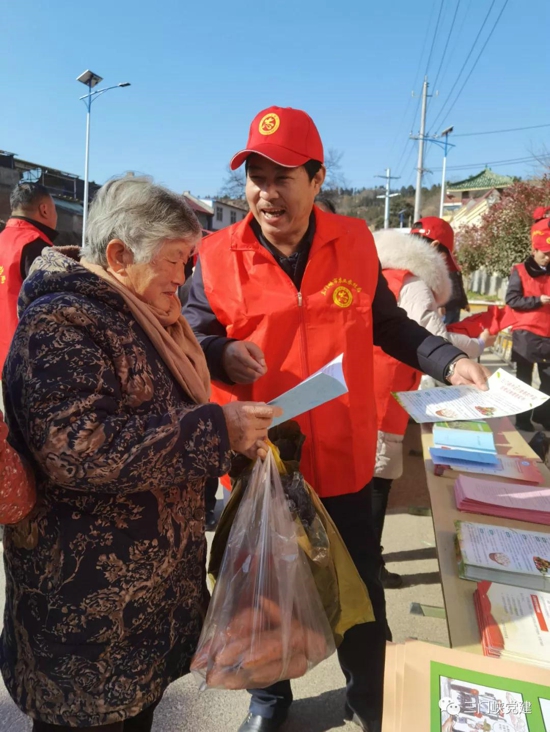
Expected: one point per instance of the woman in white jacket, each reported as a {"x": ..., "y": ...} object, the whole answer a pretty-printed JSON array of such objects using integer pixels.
[{"x": 418, "y": 276}]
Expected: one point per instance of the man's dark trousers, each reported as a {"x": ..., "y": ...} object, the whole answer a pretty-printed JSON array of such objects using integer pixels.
[
  {"x": 362, "y": 652},
  {"x": 524, "y": 372}
]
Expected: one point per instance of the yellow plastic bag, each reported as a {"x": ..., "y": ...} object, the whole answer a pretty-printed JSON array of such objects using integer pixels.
[{"x": 343, "y": 593}]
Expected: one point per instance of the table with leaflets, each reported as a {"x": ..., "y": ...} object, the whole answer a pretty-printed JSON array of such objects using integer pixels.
[{"x": 458, "y": 593}]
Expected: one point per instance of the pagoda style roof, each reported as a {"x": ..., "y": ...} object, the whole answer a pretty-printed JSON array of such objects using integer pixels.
[{"x": 483, "y": 181}]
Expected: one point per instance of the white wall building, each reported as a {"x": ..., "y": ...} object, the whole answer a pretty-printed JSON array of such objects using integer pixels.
[{"x": 225, "y": 213}]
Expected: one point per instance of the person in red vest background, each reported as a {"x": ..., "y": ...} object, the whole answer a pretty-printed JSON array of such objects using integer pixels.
[
  {"x": 441, "y": 235},
  {"x": 528, "y": 295},
  {"x": 274, "y": 298},
  {"x": 418, "y": 274},
  {"x": 30, "y": 228}
]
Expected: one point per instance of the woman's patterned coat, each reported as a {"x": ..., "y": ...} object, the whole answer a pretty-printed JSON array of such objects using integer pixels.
[{"x": 106, "y": 589}]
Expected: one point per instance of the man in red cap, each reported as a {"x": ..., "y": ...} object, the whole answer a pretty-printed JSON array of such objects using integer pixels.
[
  {"x": 273, "y": 299},
  {"x": 441, "y": 235},
  {"x": 528, "y": 295}
]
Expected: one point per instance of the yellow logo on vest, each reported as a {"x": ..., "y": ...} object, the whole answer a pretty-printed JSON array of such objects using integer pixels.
[
  {"x": 269, "y": 124},
  {"x": 342, "y": 297},
  {"x": 344, "y": 291}
]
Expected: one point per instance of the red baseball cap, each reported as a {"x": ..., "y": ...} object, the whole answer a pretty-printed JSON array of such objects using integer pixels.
[
  {"x": 541, "y": 212},
  {"x": 284, "y": 135},
  {"x": 436, "y": 229},
  {"x": 540, "y": 235}
]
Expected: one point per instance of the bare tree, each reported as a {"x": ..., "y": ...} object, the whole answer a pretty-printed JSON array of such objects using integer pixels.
[
  {"x": 233, "y": 184},
  {"x": 335, "y": 177},
  {"x": 541, "y": 161}
]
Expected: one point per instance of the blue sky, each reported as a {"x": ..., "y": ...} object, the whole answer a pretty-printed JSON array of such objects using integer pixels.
[{"x": 201, "y": 71}]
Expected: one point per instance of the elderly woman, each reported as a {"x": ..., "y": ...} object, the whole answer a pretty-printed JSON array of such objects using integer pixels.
[{"x": 106, "y": 393}]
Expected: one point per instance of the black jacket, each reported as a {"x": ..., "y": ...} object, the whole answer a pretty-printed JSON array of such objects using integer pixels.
[
  {"x": 525, "y": 344},
  {"x": 33, "y": 249},
  {"x": 514, "y": 294}
]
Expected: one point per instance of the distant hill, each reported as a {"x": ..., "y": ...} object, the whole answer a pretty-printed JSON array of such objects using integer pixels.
[{"x": 362, "y": 203}]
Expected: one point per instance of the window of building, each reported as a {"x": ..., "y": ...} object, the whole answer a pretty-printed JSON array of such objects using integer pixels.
[
  {"x": 233, "y": 217},
  {"x": 243, "y": 216},
  {"x": 219, "y": 213}
]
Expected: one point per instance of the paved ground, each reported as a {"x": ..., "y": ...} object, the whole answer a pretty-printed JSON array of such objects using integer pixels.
[
  {"x": 409, "y": 546},
  {"x": 319, "y": 699}
]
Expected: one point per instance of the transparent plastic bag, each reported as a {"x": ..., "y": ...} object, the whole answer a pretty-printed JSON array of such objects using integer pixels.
[
  {"x": 265, "y": 621},
  {"x": 343, "y": 593}
]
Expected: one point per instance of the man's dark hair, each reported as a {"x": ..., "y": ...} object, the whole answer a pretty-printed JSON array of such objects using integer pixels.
[
  {"x": 27, "y": 195},
  {"x": 312, "y": 167}
]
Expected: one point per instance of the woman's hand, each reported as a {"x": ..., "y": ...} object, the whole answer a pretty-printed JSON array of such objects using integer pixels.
[
  {"x": 487, "y": 338},
  {"x": 247, "y": 425},
  {"x": 258, "y": 451}
]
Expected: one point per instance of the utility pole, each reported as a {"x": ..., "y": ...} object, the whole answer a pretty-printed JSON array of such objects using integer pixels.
[
  {"x": 420, "y": 164},
  {"x": 387, "y": 195}
]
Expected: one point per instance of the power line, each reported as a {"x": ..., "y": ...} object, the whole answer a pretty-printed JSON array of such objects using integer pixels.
[
  {"x": 398, "y": 133},
  {"x": 434, "y": 37},
  {"x": 465, "y": 62},
  {"x": 399, "y": 167},
  {"x": 457, "y": 45},
  {"x": 496, "y": 132},
  {"x": 416, "y": 77},
  {"x": 446, "y": 46},
  {"x": 478, "y": 57},
  {"x": 407, "y": 161},
  {"x": 485, "y": 163}
]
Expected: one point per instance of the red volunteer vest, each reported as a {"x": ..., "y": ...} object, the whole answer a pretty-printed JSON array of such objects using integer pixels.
[
  {"x": 15, "y": 236},
  {"x": 536, "y": 321},
  {"x": 299, "y": 332},
  {"x": 392, "y": 375}
]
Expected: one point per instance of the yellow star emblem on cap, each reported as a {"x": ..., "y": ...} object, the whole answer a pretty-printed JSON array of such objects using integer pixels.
[{"x": 269, "y": 124}]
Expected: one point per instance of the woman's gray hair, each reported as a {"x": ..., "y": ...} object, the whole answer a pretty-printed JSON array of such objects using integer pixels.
[{"x": 139, "y": 213}]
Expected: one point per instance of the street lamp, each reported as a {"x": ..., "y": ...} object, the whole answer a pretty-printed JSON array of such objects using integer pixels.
[
  {"x": 91, "y": 80},
  {"x": 445, "y": 134}
]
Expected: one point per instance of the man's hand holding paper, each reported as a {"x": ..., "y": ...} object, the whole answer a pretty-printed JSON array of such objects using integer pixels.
[
  {"x": 505, "y": 396},
  {"x": 470, "y": 373}
]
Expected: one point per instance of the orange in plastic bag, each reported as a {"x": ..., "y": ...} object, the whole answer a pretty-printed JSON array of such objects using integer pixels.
[
  {"x": 266, "y": 621},
  {"x": 17, "y": 489}
]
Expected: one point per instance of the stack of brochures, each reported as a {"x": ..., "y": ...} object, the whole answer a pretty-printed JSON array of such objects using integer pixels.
[
  {"x": 507, "y": 500},
  {"x": 429, "y": 688},
  {"x": 501, "y": 554},
  {"x": 514, "y": 623},
  {"x": 518, "y": 469},
  {"x": 471, "y": 443},
  {"x": 469, "y": 447}
]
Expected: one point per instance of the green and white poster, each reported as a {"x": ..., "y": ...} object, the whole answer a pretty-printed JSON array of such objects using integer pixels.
[{"x": 463, "y": 700}]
